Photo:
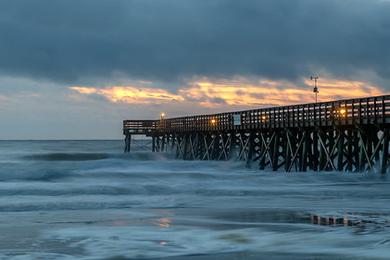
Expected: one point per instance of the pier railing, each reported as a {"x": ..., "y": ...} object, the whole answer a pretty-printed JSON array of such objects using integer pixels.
[
  {"x": 140, "y": 127},
  {"x": 371, "y": 110}
]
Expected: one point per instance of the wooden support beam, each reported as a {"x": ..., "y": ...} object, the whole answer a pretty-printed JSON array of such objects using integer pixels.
[
  {"x": 173, "y": 142},
  {"x": 331, "y": 142},
  {"x": 350, "y": 150},
  {"x": 275, "y": 151},
  {"x": 244, "y": 144},
  {"x": 158, "y": 144},
  {"x": 163, "y": 140},
  {"x": 266, "y": 141},
  {"x": 250, "y": 150},
  {"x": 168, "y": 140},
  {"x": 127, "y": 143},
  {"x": 385, "y": 151},
  {"x": 375, "y": 152},
  {"x": 215, "y": 147},
  {"x": 208, "y": 144},
  {"x": 340, "y": 151},
  {"x": 364, "y": 157},
  {"x": 321, "y": 136},
  {"x": 356, "y": 153},
  {"x": 295, "y": 155},
  {"x": 316, "y": 151},
  {"x": 304, "y": 152},
  {"x": 180, "y": 146},
  {"x": 289, "y": 151},
  {"x": 329, "y": 153},
  {"x": 185, "y": 149},
  {"x": 233, "y": 145},
  {"x": 262, "y": 152},
  {"x": 223, "y": 147}
]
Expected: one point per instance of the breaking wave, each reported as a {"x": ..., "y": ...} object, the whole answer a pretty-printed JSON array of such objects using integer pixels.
[
  {"x": 143, "y": 156},
  {"x": 67, "y": 156}
]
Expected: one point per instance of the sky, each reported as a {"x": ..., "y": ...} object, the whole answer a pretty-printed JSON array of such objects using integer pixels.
[{"x": 75, "y": 69}]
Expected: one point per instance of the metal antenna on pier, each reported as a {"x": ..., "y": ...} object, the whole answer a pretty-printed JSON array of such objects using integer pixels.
[{"x": 315, "y": 89}]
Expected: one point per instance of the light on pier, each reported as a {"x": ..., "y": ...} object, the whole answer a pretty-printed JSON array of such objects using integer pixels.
[{"x": 162, "y": 115}]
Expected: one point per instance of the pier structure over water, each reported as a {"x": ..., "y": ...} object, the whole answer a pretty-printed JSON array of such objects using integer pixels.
[{"x": 344, "y": 135}]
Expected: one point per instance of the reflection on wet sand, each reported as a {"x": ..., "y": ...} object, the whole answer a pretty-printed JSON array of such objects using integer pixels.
[
  {"x": 165, "y": 222},
  {"x": 348, "y": 220}
]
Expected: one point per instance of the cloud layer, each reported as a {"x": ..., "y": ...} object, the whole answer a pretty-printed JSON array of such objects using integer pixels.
[
  {"x": 238, "y": 93},
  {"x": 69, "y": 66},
  {"x": 82, "y": 42}
]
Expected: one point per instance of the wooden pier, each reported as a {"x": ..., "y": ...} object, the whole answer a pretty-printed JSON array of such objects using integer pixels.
[{"x": 345, "y": 135}]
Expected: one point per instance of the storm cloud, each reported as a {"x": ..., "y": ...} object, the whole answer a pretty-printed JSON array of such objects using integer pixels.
[{"x": 77, "y": 42}]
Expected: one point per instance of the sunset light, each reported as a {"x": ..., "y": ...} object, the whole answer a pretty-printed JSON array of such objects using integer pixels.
[
  {"x": 238, "y": 93},
  {"x": 131, "y": 95}
]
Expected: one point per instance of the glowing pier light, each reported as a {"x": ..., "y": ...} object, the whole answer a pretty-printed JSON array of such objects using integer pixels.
[{"x": 162, "y": 115}]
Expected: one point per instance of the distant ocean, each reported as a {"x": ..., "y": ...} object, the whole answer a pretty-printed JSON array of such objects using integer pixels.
[{"x": 89, "y": 200}]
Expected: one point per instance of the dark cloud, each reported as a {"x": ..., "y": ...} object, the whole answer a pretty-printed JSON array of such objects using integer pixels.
[{"x": 75, "y": 41}]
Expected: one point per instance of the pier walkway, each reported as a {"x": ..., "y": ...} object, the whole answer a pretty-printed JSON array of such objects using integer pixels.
[{"x": 342, "y": 135}]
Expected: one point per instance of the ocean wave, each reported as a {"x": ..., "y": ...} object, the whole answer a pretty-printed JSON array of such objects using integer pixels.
[
  {"x": 80, "y": 190},
  {"x": 84, "y": 156},
  {"x": 67, "y": 156}
]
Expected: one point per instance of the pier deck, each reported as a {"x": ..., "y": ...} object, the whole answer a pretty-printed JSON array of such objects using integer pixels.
[{"x": 343, "y": 135}]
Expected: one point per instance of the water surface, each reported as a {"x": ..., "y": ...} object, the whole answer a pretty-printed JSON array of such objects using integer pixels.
[{"x": 88, "y": 200}]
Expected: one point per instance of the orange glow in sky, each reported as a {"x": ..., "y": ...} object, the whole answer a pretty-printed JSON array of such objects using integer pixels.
[
  {"x": 236, "y": 93},
  {"x": 266, "y": 93},
  {"x": 131, "y": 95}
]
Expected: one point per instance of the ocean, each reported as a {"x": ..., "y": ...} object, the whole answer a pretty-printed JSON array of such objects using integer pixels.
[{"x": 89, "y": 200}]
